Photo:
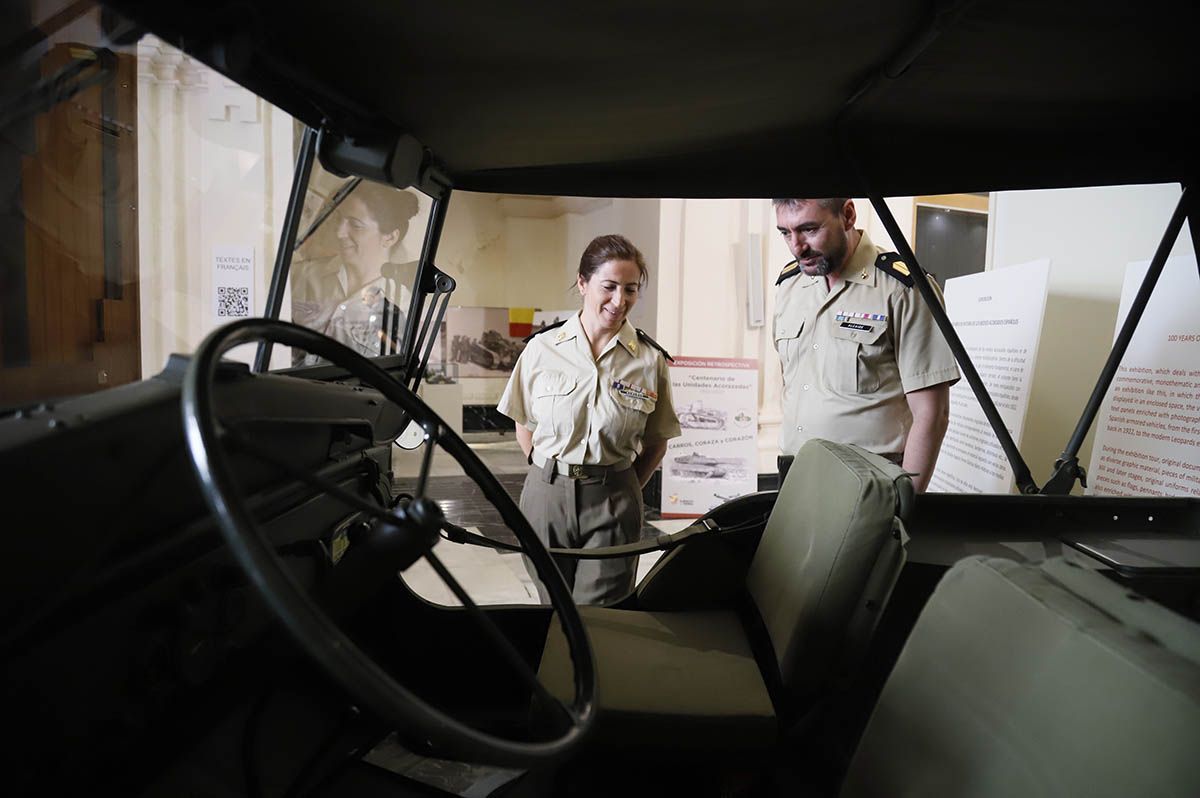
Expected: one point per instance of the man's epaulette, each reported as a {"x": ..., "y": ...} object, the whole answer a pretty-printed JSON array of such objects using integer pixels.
[
  {"x": 536, "y": 333},
  {"x": 889, "y": 263},
  {"x": 791, "y": 270},
  {"x": 655, "y": 344}
]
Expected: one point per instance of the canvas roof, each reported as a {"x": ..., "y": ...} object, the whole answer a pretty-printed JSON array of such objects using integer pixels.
[{"x": 670, "y": 98}]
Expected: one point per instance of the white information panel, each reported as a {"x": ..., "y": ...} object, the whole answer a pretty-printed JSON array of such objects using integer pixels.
[
  {"x": 1148, "y": 430},
  {"x": 233, "y": 283},
  {"x": 998, "y": 315},
  {"x": 716, "y": 457}
]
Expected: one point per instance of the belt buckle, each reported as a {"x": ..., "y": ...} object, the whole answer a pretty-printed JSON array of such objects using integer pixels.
[{"x": 576, "y": 472}]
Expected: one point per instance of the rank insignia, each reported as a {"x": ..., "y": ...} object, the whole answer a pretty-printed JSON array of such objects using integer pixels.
[
  {"x": 791, "y": 270},
  {"x": 890, "y": 264}
]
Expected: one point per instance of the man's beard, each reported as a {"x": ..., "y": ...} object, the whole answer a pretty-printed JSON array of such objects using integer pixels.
[
  {"x": 827, "y": 262},
  {"x": 818, "y": 268}
]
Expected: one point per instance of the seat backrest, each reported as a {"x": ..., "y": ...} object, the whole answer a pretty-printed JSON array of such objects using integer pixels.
[
  {"x": 1046, "y": 680},
  {"x": 828, "y": 559}
]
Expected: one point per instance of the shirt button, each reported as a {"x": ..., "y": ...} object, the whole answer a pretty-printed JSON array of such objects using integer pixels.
[
  {"x": 814, "y": 346},
  {"x": 800, "y": 429},
  {"x": 806, "y": 387}
]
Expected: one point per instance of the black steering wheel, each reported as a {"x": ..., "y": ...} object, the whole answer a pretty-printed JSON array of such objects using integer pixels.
[{"x": 411, "y": 530}]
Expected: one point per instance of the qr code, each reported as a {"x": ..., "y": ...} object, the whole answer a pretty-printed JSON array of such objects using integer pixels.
[{"x": 233, "y": 301}]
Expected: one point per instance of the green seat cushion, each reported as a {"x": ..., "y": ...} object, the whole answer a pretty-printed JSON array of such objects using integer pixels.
[
  {"x": 1036, "y": 681},
  {"x": 684, "y": 679},
  {"x": 830, "y": 529}
]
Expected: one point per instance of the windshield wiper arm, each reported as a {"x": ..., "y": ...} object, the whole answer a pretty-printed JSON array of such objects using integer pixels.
[{"x": 327, "y": 209}]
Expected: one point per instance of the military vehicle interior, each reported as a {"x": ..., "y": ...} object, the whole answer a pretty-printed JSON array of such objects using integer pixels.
[{"x": 201, "y": 594}]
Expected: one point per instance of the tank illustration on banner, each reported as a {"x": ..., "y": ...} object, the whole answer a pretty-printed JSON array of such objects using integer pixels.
[
  {"x": 699, "y": 466},
  {"x": 490, "y": 351},
  {"x": 697, "y": 416}
]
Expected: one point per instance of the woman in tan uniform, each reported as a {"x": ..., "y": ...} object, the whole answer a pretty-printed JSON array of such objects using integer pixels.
[{"x": 591, "y": 398}]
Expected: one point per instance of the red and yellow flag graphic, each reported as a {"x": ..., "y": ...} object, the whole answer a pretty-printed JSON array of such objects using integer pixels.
[{"x": 520, "y": 322}]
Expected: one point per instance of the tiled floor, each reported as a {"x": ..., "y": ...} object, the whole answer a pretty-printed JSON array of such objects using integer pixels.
[{"x": 489, "y": 576}]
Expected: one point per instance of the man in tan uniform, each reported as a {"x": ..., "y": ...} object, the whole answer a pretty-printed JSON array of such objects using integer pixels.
[{"x": 863, "y": 360}]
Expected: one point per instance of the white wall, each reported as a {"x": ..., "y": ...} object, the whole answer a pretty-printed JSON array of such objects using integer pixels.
[
  {"x": 1089, "y": 235},
  {"x": 215, "y": 166}
]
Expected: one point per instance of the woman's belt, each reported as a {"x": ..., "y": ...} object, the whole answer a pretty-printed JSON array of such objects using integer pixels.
[{"x": 577, "y": 471}]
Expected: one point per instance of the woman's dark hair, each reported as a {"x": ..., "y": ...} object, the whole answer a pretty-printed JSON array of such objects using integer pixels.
[
  {"x": 610, "y": 247},
  {"x": 391, "y": 207}
]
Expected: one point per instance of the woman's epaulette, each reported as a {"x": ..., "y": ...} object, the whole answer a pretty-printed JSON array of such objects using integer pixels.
[
  {"x": 536, "y": 333},
  {"x": 655, "y": 344}
]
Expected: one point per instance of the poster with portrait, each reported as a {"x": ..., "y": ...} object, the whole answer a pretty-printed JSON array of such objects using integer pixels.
[{"x": 716, "y": 457}]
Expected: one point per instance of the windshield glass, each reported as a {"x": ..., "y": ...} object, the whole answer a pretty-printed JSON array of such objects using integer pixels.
[
  {"x": 142, "y": 197},
  {"x": 355, "y": 262}
]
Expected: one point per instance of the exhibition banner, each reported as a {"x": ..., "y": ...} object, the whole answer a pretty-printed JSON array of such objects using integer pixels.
[
  {"x": 1148, "y": 431},
  {"x": 998, "y": 316},
  {"x": 716, "y": 457}
]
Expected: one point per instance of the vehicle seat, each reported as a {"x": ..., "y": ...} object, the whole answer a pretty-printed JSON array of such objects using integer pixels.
[
  {"x": 1036, "y": 681},
  {"x": 827, "y": 561}
]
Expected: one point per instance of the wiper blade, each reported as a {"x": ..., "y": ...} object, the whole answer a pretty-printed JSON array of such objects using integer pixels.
[{"x": 327, "y": 209}]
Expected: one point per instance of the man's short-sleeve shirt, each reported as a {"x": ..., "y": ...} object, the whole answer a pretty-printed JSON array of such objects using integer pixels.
[
  {"x": 590, "y": 411},
  {"x": 850, "y": 355}
]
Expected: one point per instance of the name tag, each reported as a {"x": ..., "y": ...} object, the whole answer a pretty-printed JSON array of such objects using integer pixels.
[
  {"x": 851, "y": 325},
  {"x": 631, "y": 391}
]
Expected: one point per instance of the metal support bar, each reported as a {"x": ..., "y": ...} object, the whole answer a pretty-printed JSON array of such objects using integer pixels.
[
  {"x": 1021, "y": 473},
  {"x": 287, "y": 240},
  {"x": 433, "y": 232},
  {"x": 1067, "y": 468},
  {"x": 943, "y": 19},
  {"x": 444, "y": 286},
  {"x": 1191, "y": 202}
]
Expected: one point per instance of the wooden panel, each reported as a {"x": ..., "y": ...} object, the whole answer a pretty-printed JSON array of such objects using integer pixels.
[
  {"x": 63, "y": 196},
  {"x": 961, "y": 202},
  {"x": 35, "y": 255}
]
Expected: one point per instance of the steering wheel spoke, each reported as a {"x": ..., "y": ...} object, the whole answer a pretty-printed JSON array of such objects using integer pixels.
[
  {"x": 407, "y": 533},
  {"x": 432, "y": 436},
  {"x": 497, "y": 638}
]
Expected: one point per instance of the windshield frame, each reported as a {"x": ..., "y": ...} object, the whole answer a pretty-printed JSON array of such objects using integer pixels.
[{"x": 407, "y": 358}]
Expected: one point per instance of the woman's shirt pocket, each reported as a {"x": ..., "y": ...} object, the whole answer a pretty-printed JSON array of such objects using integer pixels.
[
  {"x": 551, "y": 400},
  {"x": 634, "y": 405}
]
